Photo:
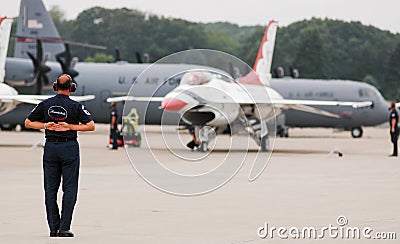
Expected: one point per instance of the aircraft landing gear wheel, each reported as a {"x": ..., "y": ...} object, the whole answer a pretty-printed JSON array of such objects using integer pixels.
[
  {"x": 18, "y": 128},
  {"x": 264, "y": 144},
  {"x": 356, "y": 132},
  {"x": 203, "y": 147}
]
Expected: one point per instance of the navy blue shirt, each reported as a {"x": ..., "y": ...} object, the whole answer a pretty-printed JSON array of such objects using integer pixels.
[
  {"x": 60, "y": 108},
  {"x": 114, "y": 112}
]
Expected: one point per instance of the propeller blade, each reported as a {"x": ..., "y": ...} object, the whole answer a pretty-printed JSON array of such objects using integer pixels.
[
  {"x": 34, "y": 79},
  {"x": 67, "y": 64},
  {"x": 45, "y": 79},
  {"x": 117, "y": 56},
  {"x": 46, "y": 57},
  {"x": 34, "y": 60},
  {"x": 39, "y": 50},
  {"x": 39, "y": 85},
  {"x": 43, "y": 68},
  {"x": 138, "y": 58},
  {"x": 40, "y": 68},
  {"x": 67, "y": 54},
  {"x": 74, "y": 61}
]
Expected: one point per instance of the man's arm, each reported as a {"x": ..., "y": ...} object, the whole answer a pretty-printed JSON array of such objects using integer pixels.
[
  {"x": 34, "y": 124},
  {"x": 113, "y": 118},
  {"x": 393, "y": 123},
  {"x": 61, "y": 126}
]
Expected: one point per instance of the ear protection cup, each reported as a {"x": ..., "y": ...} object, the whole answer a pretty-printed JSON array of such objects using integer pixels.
[
  {"x": 72, "y": 87},
  {"x": 55, "y": 85}
]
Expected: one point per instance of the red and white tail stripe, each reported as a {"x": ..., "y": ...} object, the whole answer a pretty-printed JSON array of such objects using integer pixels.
[
  {"x": 262, "y": 65},
  {"x": 265, "y": 53}
]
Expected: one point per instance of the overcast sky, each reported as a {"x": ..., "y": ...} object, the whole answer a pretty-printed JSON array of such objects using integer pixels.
[{"x": 384, "y": 14}]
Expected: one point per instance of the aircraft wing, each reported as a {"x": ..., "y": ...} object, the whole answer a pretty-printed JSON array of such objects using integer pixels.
[
  {"x": 36, "y": 99},
  {"x": 323, "y": 103},
  {"x": 138, "y": 99},
  {"x": 312, "y": 110}
]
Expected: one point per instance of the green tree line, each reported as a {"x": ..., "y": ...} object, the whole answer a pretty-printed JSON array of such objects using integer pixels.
[{"x": 318, "y": 48}]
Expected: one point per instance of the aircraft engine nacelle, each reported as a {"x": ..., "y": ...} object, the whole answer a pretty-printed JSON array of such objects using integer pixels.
[
  {"x": 212, "y": 114},
  {"x": 7, "y": 105},
  {"x": 18, "y": 71}
]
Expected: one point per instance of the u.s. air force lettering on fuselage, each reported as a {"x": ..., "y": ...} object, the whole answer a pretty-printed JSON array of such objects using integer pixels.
[
  {"x": 311, "y": 94},
  {"x": 149, "y": 81}
]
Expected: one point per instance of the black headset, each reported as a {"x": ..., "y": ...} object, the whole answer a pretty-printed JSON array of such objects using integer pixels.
[{"x": 72, "y": 84}]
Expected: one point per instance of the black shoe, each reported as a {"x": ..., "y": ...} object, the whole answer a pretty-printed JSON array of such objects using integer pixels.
[
  {"x": 54, "y": 233},
  {"x": 393, "y": 155},
  {"x": 191, "y": 145},
  {"x": 65, "y": 233}
]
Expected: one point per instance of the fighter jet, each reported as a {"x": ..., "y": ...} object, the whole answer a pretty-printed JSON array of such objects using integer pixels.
[{"x": 213, "y": 102}]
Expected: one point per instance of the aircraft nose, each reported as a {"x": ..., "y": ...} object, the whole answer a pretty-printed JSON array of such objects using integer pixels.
[{"x": 172, "y": 104}]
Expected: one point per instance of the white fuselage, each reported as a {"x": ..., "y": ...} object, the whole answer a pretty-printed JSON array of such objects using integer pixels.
[
  {"x": 7, "y": 105},
  {"x": 225, "y": 100}
]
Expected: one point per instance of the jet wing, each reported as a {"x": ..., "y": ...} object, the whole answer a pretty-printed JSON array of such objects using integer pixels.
[
  {"x": 36, "y": 99},
  {"x": 323, "y": 103},
  {"x": 132, "y": 98},
  {"x": 312, "y": 110}
]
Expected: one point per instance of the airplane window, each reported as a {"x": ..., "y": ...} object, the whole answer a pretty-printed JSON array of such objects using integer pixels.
[
  {"x": 366, "y": 93},
  {"x": 196, "y": 78}
]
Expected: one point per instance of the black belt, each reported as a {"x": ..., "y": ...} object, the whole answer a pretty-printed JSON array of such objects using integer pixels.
[{"x": 61, "y": 139}]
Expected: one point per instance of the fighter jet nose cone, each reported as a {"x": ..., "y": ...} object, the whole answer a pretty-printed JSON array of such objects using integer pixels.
[{"x": 173, "y": 104}]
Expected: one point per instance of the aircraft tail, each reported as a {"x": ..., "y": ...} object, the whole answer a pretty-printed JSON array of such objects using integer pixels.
[
  {"x": 34, "y": 22},
  {"x": 265, "y": 53},
  {"x": 262, "y": 65},
  {"x": 5, "y": 29}
]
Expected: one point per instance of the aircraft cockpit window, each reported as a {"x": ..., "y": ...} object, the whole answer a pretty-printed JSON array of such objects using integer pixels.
[
  {"x": 366, "y": 93},
  {"x": 196, "y": 78}
]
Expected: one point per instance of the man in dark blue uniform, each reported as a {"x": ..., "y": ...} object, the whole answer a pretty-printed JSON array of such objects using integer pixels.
[
  {"x": 61, "y": 118},
  {"x": 394, "y": 128},
  {"x": 114, "y": 125}
]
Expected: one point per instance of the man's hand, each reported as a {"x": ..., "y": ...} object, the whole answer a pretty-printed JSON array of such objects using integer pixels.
[
  {"x": 50, "y": 126},
  {"x": 63, "y": 126}
]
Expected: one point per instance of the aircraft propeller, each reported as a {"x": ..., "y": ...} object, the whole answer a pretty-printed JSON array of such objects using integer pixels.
[
  {"x": 117, "y": 55},
  {"x": 67, "y": 63},
  {"x": 40, "y": 67},
  {"x": 138, "y": 58}
]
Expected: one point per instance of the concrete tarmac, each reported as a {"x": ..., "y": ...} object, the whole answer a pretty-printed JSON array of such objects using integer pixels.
[{"x": 304, "y": 185}]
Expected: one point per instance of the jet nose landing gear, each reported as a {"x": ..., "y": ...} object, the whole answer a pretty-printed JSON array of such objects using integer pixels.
[{"x": 204, "y": 134}]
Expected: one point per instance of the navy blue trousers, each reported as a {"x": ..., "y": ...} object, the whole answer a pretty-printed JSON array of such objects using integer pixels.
[
  {"x": 394, "y": 137},
  {"x": 60, "y": 161},
  {"x": 114, "y": 137}
]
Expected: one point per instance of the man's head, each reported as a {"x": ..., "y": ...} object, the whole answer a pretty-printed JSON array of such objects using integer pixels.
[
  {"x": 392, "y": 105},
  {"x": 113, "y": 104},
  {"x": 64, "y": 83}
]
